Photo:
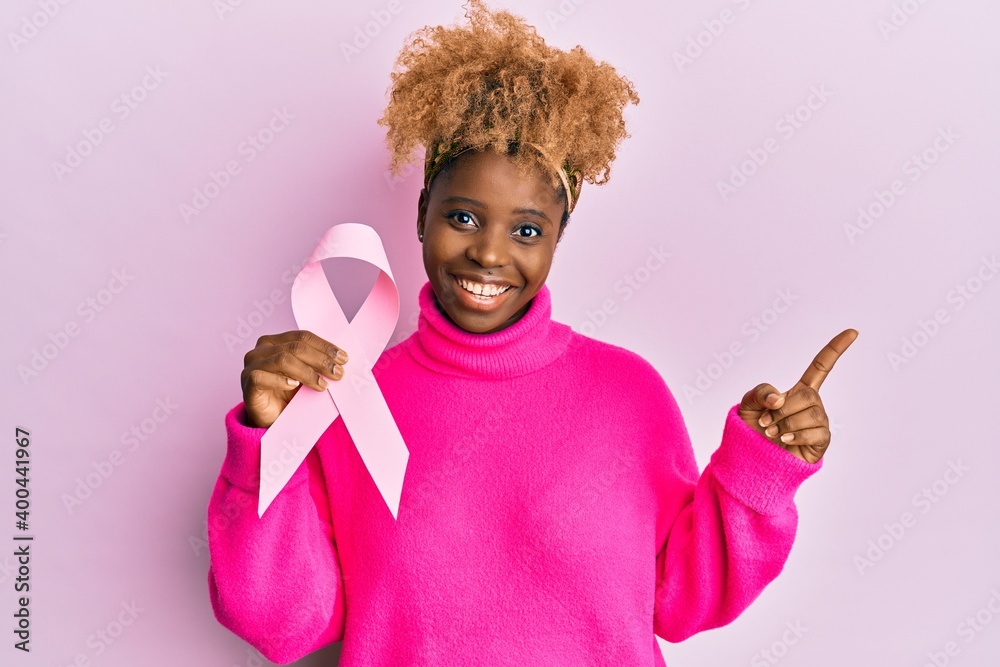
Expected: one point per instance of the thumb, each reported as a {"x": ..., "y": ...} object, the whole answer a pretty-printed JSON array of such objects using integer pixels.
[{"x": 762, "y": 397}]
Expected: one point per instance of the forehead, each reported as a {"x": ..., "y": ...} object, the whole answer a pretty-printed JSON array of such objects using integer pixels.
[{"x": 488, "y": 173}]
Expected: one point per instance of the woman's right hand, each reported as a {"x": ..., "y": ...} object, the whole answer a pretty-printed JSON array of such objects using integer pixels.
[{"x": 275, "y": 369}]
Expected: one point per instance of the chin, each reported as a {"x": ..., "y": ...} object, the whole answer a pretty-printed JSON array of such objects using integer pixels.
[{"x": 482, "y": 324}]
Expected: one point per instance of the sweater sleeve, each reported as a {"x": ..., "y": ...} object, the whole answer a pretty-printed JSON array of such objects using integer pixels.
[
  {"x": 275, "y": 581},
  {"x": 728, "y": 531}
]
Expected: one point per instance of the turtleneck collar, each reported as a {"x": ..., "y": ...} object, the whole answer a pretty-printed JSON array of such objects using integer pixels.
[{"x": 529, "y": 344}]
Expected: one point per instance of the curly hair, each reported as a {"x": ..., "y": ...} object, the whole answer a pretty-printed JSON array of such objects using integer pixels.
[{"x": 497, "y": 84}]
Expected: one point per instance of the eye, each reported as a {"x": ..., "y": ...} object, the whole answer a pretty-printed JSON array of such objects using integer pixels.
[
  {"x": 533, "y": 228},
  {"x": 455, "y": 215}
]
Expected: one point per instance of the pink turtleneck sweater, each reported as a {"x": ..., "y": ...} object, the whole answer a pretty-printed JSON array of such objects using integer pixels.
[{"x": 552, "y": 513}]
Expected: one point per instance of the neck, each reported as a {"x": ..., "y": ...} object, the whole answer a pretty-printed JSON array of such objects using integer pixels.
[{"x": 530, "y": 343}]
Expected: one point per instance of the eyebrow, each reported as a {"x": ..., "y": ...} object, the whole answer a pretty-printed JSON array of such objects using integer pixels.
[{"x": 516, "y": 211}]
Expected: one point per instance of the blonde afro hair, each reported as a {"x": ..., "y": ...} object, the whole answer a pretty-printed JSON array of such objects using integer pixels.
[{"x": 496, "y": 82}]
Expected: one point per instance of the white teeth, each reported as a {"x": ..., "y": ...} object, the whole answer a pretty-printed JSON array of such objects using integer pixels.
[{"x": 481, "y": 289}]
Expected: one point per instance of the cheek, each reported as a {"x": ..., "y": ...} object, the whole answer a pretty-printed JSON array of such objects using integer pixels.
[
  {"x": 436, "y": 252},
  {"x": 535, "y": 264},
  {"x": 438, "y": 257}
]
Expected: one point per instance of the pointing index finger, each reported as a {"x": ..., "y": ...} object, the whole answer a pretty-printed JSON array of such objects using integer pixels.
[{"x": 827, "y": 357}]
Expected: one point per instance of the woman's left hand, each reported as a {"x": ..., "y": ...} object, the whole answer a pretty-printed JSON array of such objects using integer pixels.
[{"x": 796, "y": 419}]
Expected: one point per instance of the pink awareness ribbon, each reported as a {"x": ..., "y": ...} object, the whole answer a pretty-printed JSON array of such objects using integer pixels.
[{"x": 356, "y": 396}]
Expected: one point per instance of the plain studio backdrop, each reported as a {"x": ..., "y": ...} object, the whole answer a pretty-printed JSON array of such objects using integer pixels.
[{"x": 794, "y": 169}]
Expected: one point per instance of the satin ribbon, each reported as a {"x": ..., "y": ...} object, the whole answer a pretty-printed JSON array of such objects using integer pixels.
[{"x": 356, "y": 396}]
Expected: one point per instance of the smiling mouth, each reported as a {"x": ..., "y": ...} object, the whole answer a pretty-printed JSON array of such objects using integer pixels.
[{"x": 485, "y": 292}]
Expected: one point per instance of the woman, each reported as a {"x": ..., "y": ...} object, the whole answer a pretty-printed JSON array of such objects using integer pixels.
[{"x": 552, "y": 511}]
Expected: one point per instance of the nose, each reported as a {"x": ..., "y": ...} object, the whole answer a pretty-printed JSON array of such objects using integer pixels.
[{"x": 489, "y": 246}]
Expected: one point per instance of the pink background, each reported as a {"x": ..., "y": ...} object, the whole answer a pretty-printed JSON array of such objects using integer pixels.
[{"x": 138, "y": 537}]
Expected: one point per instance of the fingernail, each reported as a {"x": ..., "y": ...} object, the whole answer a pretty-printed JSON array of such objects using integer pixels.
[
  {"x": 338, "y": 372},
  {"x": 322, "y": 383},
  {"x": 341, "y": 356},
  {"x": 771, "y": 398},
  {"x": 771, "y": 431},
  {"x": 787, "y": 437},
  {"x": 765, "y": 420},
  {"x": 293, "y": 383}
]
